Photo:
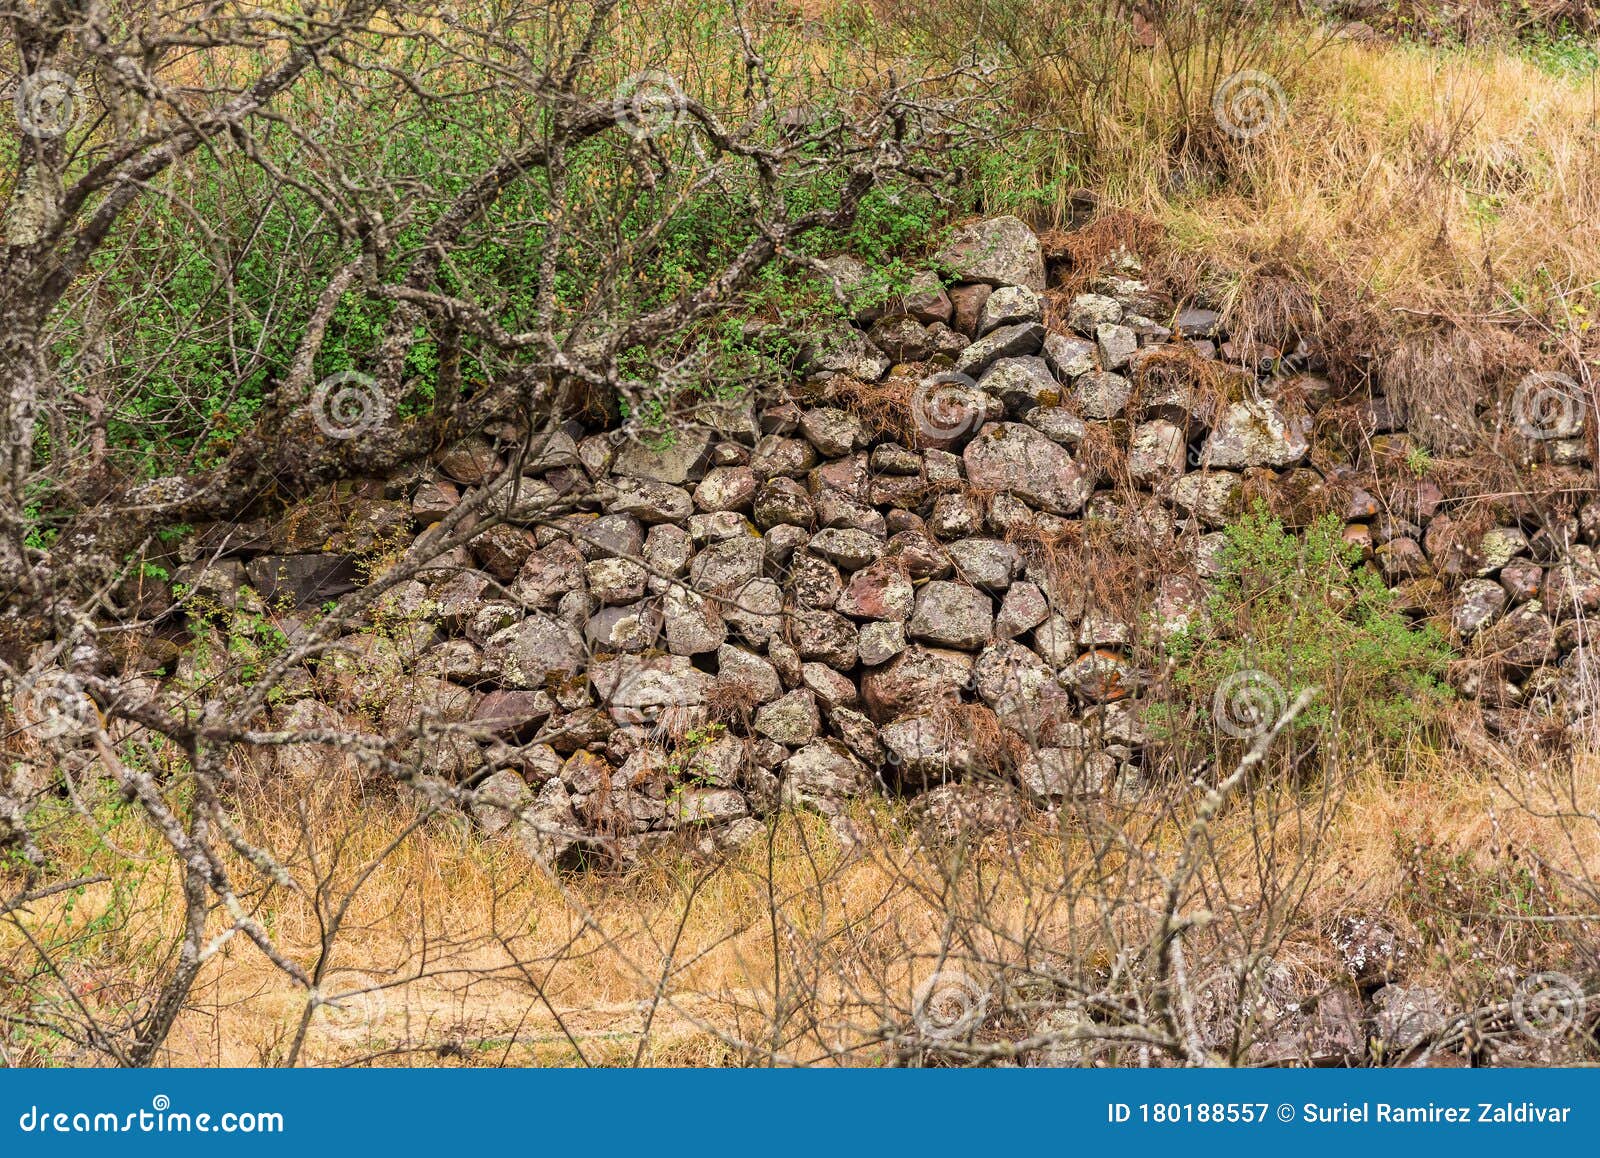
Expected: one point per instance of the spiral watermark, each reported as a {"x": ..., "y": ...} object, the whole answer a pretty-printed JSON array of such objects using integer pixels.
[
  {"x": 351, "y": 1013},
  {"x": 1548, "y": 1005},
  {"x": 53, "y": 704},
  {"x": 160, "y": 1102},
  {"x": 348, "y": 404},
  {"x": 1547, "y": 405},
  {"x": 949, "y": 1004},
  {"x": 947, "y": 406},
  {"x": 650, "y": 103},
  {"x": 1247, "y": 703},
  {"x": 47, "y": 103},
  {"x": 1249, "y": 103}
]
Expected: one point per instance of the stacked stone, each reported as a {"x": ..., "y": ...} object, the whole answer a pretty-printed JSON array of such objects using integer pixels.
[{"x": 811, "y": 611}]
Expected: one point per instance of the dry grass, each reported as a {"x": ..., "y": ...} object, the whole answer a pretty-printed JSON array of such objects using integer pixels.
[{"x": 469, "y": 954}]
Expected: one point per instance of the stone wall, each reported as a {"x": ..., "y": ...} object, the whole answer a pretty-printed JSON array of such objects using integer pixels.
[{"x": 881, "y": 581}]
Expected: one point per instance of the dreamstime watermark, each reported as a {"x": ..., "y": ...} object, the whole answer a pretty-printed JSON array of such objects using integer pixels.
[
  {"x": 650, "y": 103},
  {"x": 1247, "y": 703},
  {"x": 52, "y": 704},
  {"x": 1547, "y": 405},
  {"x": 352, "y": 1012},
  {"x": 159, "y": 1118},
  {"x": 348, "y": 404},
  {"x": 947, "y": 406},
  {"x": 47, "y": 103},
  {"x": 1249, "y": 103},
  {"x": 949, "y": 1004},
  {"x": 1548, "y": 1005}
]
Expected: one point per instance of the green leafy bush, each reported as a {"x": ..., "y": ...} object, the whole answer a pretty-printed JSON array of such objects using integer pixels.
[{"x": 1295, "y": 611}]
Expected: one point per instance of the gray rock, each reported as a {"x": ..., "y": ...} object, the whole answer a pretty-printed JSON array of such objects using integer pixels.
[
  {"x": 742, "y": 669},
  {"x": 755, "y": 610},
  {"x": 830, "y": 687},
  {"x": 1023, "y": 608},
  {"x": 782, "y": 500},
  {"x": 848, "y": 547},
  {"x": 613, "y": 534},
  {"x": 673, "y": 461},
  {"x": 881, "y": 641},
  {"x": 914, "y": 680},
  {"x": 1116, "y": 345},
  {"x": 1005, "y": 342},
  {"x": 615, "y": 581},
  {"x": 1009, "y": 305},
  {"x": 791, "y": 719},
  {"x": 902, "y": 338},
  {"x": 832, "y": 431},
  {"x": 1089, "y": 311},
  {"x": 1067, "y": 773},
  {"x": 645, "y": 500},
  {"x": 1057, "y": 424},
  {"x": 843, "y": 350},
  {"x": 1101, "y": 394},
  {"x": 989, "y": 563},
  {"x": 952, "y": 615},
  {"x": 776, "y": 456},
  {"x": 822, "y": 774},
  {"x": 1012, "y": 457},
  {"x": 825, "y": 636},
  {"x": 1478, "y": 604},
  {"x": 726, "y": 488},
  {"x": 693, "y": 624},
  {"x": 1068, "y": 357},
  {"x": 726, "y": 566},
  {"x": 1254, "y": 434},
  {"x": 1021, "y": 383},
  {"x": 632, "y": 628},
  {"x": 525, "y": 654},
  {"x": 1158, "y": 453},
  {"x": 1213, "y": 497},
  {"x": 1001, "y": 251},
  {"x": 925, "y": 748},
  {"x": 704, "y": 807}
]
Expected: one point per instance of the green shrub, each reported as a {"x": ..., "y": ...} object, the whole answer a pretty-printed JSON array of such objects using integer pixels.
[{"x": 1295, "y": 611}]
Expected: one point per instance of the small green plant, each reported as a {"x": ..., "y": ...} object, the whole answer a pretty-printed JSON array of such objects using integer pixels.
[{"x": 1295, "y": 611}]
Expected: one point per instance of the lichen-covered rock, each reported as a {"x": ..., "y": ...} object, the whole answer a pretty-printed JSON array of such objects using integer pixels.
[
  {"x": 1254, "y": 434},
  {"x": 1001, "y": 251},
  {"x": 693, "y": 623},
  {"x": 1213, "y": 497},
  {"x": 1004, "y": 342},
  {"x": 987, "y": 563},
  {"x": 1088, "y": 312},
  {"x": 1478, "y": 603},
  {"x": 791, "y": 719},
  {"x": 952, "y": 615},
  {"x": 1021, "y": 383},
  {"x": 1158, "y": 453},
  {"x": 1009, "y": 305},
  {"x": 1101, "y": 394},
  {"x": 824, "y": 770},
  {"x": 879, "y": 591},
  {"x": 1008, "y": 456},
  {"x": 917, "y": 678},
  {"x": 526, "y": 654},
  {"x": 881, "y": 641}
]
